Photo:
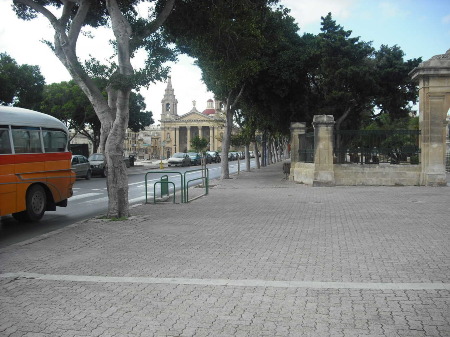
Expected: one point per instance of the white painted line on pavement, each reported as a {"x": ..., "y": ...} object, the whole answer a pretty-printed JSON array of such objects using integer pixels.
[
  {"x": 231, "y": 283},
  {"x": 95, "y": 200},
  {"x": 83, "y": 196},
  {"x": 139, "y": 182}
]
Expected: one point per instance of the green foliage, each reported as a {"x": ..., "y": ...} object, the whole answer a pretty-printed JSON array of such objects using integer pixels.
[
  {"x": 20, "y": 85},
  {"x": 67, "y": 102},
  {"x": 139, "y": 118},
  {"x": 225, "y": 38},
  {"x": 199, "y": 144},
  {"x": 395, "y": 89}
]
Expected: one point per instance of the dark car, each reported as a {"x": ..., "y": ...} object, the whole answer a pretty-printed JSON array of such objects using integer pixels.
[
  {"x": 215, "y": 156},
  {"x": 195, "y": 158},
  {"x": 179, "y": 159},
  {"x": 208, "y": 158},
  {"x": 81, "y": 166},
  {"x": 98, "y": 164}
]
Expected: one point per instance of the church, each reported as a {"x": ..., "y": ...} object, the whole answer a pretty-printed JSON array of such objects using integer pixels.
[{"x": 178, "y": 130}]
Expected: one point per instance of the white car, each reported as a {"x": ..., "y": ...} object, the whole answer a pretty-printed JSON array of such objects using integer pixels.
[{"x": 179, "y": 159}]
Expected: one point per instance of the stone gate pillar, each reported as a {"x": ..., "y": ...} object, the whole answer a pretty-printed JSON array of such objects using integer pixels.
[
  {"x": 434, "y": 102},
  {"x": 323, "y": 150},
  {"x": 297, "y": 129}
]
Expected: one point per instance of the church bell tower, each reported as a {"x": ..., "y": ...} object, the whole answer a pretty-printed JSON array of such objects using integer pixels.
[{"x": 169, "y": 102}]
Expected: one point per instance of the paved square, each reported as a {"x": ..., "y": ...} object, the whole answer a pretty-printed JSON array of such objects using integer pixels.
[{"x": 258, "y": 256}]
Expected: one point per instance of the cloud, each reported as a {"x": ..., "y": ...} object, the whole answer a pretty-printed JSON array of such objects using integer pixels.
[
  {"x": 308, "y": 12},
  {"x": 391, "y": 10},
  {"x": 446, "y": 19}
]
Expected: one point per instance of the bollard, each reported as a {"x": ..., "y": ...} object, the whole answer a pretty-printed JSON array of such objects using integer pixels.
[{"x": 164, "y": 185}]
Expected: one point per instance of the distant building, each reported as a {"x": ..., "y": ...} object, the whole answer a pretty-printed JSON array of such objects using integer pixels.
[{"x": 177, "y": 131}]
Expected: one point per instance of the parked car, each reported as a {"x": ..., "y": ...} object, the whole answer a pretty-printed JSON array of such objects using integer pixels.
[
  {"x": 231, "y": 156},
  {"x": 98, "y": 164},
  {"x": 179, "y": 159},
  {"x": 81, "y": 166},
  {"x": 196, "y": 159},
  {"x": 208, "y": 158},
  {"x": 215, "y": 156}
]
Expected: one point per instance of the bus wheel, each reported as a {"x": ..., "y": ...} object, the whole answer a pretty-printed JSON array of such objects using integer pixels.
[{"x": 36, "y": 205}]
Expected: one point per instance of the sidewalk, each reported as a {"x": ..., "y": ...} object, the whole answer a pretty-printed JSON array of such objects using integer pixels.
[{"x": 258, "y": 256}]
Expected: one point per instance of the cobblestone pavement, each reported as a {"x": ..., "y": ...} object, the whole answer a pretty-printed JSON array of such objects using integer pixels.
[{"x": 258, "y": 256}]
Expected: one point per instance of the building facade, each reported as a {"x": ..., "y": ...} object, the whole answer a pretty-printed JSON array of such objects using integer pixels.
[
  {"x": 175, "y": 132},
  {"x": 178, "y": 130}
]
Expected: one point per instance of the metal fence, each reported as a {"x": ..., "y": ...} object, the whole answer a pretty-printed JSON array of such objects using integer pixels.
[
  {"x": 447, "y": 162},
  {"x": 377, "y": 146},
  {"x": 306, "y": 148}
]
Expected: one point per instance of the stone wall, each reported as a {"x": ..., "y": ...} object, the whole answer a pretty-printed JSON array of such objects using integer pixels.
[
  {"x": 377, "y": 175},
  {"x": 433, "y": 77}
]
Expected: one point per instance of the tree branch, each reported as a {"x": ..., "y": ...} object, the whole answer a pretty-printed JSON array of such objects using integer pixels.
[
  {"x": 158, "y": 22},
  {"x": 78, "y": 21},
  {"x": 38, "y": 8},
  {"x": 237, "y": 97}
]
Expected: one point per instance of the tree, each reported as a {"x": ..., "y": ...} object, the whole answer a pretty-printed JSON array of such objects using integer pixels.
[
  {"x": 68, "y": 103},
  {"x": 341, "y": 76},
  {"x": 20, "y": 85},
  {"x": 131, "y": 33},
  {"x": 395, "y": 88},
  {"x": 199, "y": 144},
  {"x": 225, "y": 38}
]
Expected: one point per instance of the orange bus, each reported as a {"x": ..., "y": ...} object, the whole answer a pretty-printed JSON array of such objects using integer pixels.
[{"x": 35, "y": 165}]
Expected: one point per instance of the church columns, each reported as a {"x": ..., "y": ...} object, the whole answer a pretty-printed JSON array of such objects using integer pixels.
[
  {"x": 176, "y": 141},
  {"x": 211, "y": 138},
  {"x": 188, "y": 131}
]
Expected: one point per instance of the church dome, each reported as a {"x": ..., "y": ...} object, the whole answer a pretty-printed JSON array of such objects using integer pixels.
[
  {"x": 209, "y": 111},
  {"x": 209, "y": 107}
]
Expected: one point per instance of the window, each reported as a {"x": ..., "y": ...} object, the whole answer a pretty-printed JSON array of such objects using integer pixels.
[
  {"x": 27, "y": 140},
  {"x": 54, "y": 140},
  {"x": 5, "y": 144},
  {"x": 167, "y": 106}
]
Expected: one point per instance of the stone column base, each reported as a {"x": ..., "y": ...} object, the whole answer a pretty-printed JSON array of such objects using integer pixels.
[
  {"x": 324, "y": 179},
  {"x": 434, "y": 179}
]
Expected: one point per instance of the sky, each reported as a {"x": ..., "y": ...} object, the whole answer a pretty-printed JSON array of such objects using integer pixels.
[{"x": 421, "y": 28}]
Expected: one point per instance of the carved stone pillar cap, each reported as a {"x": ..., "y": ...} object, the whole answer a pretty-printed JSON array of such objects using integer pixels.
[
  {"x": 298, "y": 126},
  {"x": 438, "y": 65},
  {"x": 323, "y": 119}
]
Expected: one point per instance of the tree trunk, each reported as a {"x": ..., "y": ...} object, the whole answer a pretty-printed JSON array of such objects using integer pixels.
[
  {"x": 226, "y": 142},
  {"x": 258, "y": 164},
  {"x": 227, "y": 134},
  {"x": 247, "y": 157},
  {"x": 119, "y": 102}
]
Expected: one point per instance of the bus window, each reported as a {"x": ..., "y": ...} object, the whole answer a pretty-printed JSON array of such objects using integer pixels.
[
  {"x": 27, "y": 140},
  {"x": 54, "y": 140},
  {"x": 5, "y": 145}
]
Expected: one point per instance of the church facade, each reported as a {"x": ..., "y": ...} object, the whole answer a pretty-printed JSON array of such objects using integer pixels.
[{"x": 178, "y": 130}]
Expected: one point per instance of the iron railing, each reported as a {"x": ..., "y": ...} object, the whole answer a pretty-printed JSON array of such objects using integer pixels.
[
  {"x": 306, "y": 147},
  {"x": 377, "y": 146},
  {"x": 447, "y": 162}
]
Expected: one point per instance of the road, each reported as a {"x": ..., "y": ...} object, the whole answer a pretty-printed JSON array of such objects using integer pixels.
[{"x": 90, "y": 199}]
